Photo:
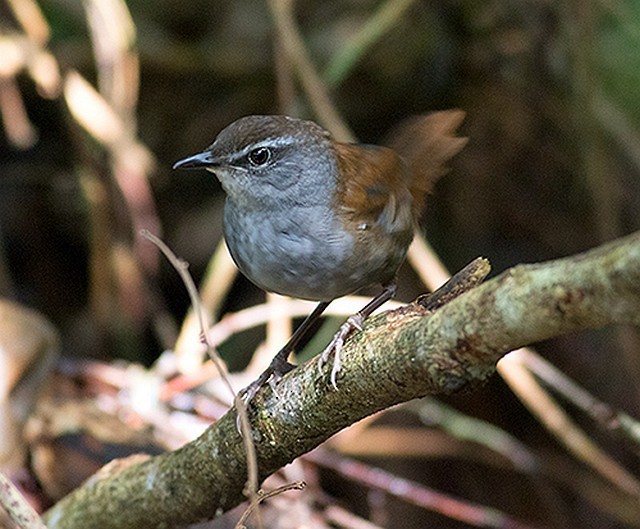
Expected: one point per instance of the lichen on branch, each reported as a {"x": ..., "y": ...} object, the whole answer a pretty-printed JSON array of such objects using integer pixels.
[{"x": 400, "y": 355}]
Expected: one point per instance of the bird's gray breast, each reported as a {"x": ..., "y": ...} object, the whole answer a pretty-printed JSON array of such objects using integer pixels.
[{"x": 300, "y": 252}]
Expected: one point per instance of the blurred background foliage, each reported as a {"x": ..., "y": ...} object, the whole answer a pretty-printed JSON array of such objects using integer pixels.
[{"x": 551, "y": 92}]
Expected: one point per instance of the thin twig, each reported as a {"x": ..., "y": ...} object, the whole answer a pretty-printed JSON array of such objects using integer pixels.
[
  {"x": 416, "y": 494},
  {"x": 618, "y": 125},
  {"x": 215, "y": 285},
  {"x": 471, "y": 429},
  {"x": 251, "y": 487},
  {"x": 376, "y": 27},
  {"x": 285, "y": 80},
  {"x": 262, "y": 495},
  {"x": 18, "y": 509},
  {"x": 551, "y": 415},
  {"x": 30, "y": 17},
  {"x": 426, "y": 263},
  {"x": 315, "y": 90},
  {"x": 19, "y": 130},
  {"x": 601, "y": 412},
  {"x": 181, "y": 266},
  {"x": 254, "y": 316}
]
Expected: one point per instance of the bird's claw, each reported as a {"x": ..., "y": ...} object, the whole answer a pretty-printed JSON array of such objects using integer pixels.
[
  {"x": 354, "y": 322},
  {"x": 272, "y": 375}
]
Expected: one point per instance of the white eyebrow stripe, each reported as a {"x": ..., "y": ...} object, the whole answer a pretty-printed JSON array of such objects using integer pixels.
[{"x": 277, "y": 141}]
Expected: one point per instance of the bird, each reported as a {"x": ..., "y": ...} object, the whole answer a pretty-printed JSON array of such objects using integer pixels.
[{"x": 310, "y": 217}]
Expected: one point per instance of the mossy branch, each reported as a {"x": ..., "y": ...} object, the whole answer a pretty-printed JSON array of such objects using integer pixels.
[{"x": 400, "y": 355}]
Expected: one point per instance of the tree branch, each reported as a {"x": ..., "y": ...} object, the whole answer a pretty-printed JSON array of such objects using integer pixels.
[{"x": 400, "y": 355}]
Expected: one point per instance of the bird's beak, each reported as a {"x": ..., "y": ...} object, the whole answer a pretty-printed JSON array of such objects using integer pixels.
[{"x": 203, "y": 159}]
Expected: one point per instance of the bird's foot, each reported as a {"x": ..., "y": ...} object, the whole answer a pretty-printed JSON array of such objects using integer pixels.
[
  {"x": 272, "y": 375},
  {"x": 354, "y": 322},
  {"x": 276, "y": 370}
]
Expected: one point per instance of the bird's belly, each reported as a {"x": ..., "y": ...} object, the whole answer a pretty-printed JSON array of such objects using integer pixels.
[{"x": 307, "y": 260}]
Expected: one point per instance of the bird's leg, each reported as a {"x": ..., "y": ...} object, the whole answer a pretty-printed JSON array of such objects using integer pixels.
[
  {"x": 354, "y": 322},
  {"x": 279, "y": 366}
]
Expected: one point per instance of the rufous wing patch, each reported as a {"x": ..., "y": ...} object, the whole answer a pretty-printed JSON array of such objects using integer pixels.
[{"x": 370, "y": 176}]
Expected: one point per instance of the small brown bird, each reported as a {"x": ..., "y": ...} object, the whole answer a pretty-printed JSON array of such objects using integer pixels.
[{"x": 312, "y": 218}]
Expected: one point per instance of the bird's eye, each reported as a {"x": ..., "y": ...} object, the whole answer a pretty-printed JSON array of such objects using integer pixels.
[{"x": 259, "y": 156}]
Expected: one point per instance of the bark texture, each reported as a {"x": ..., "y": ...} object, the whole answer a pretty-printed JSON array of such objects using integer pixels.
[{"x": 400, "y": 355}]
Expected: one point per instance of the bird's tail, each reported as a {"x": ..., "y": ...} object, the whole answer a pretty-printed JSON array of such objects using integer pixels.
[{"x": 426, "y": 143}]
